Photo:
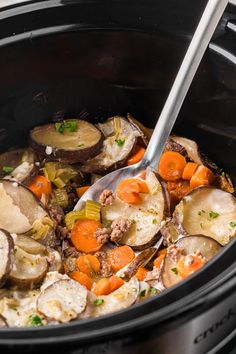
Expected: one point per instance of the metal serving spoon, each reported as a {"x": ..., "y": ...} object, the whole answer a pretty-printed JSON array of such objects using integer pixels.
[{"x": 188, "y": 68}]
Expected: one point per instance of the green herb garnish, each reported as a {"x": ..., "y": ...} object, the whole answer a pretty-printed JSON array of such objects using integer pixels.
[
  {"x": 222, "y": 174},
  {"x": 153, "y": 290},
  {"x": 142, "y": 293},
  {"x": 80, "y": 145},
  {"x": 213, "y": 214},
  {"x": 69, "y": 125},
  {"x": 154, "y": 221},
  {"x": 174, "y": 270},
  {"x": 232, "y": 224},
  {"x": 201, "y": 212},
  {"x": 7, "y": 169},
  {"x": 98, "y": 302},
  {"x": 120, "y": 142},
  {"x": 35, "y": 321}
]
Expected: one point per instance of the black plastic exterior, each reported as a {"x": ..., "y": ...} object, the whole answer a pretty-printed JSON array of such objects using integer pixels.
[{"x": 104, "y": 58}]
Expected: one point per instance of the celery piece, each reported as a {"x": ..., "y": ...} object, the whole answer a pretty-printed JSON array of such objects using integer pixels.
[
  {"x": 61, "y": 197},
  {"x": 92, "y": 210},
  {"x": 59, "y": 183},
  {"x": 72, "y": 217}
]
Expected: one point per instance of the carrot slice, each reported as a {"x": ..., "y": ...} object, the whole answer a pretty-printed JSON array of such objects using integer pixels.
[
  {"x": 82, "y": 278},
  {"x": 184, "y": 269},
  {"x": 163, "y": 251},
  {"x": 120, "y": 257},
  {"x": 103, "y": 287},
  {"x": 189, "y": 170},
  {"x": 141, "y": 273},
  {"x": 158, "y": 261},
  {"x": 40, "y": 185},
  {"x": 115, "y": 282},
  {"x": 137, "y": 156},
  {"x": 88, "y": 264},
  {"x": 202, "y": 177},
  {"x": 171, "y": 165},
  {"x": 82, "y": 235},
  {"x": 128, "y": 190},
  {"x": 81, "y": 190}
]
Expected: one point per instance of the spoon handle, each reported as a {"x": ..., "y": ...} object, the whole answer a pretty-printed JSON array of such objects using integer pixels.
[{"x": 188, "y": 68}]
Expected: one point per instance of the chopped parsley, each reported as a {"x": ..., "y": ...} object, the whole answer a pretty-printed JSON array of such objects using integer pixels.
[
  {"x": 154, "y": 221},
  {"x": 201, "y": 212},
  {"x": 80, "y": 145},
  {"x": 232, "y": 224},
  {"x": 142, "y": 293},
  {"x": 174, "y": 270},
  {"x": 7, "y": 169},
  {"x": 153, "y": 290},
  {"x": 35, "y": 321},
  {"x": 98, "y": 302},
  {"x": 120, "y": 142},
  {"x": 213, "y": 214},
  {"x": 15, "y": 250},
  {"x": 222, "y": 174},
  {"x": 69, "y": 125}
]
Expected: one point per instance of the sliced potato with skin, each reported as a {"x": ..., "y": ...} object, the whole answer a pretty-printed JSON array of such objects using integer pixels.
[
  {"x": 147, "y": 216},
  {"x": 118, "y": 300},
  {"x": 6, "y": 255},
  {"x": 63, "y": 300},
  {"x": 28, "y": 270},
  {"x": 208, "y": 211},
  {"x": 189, "y": 245},
  {"x": 29, "y": 245},
  {"x": 120, "y": 140},
  {"x": 68, "y": 147}
]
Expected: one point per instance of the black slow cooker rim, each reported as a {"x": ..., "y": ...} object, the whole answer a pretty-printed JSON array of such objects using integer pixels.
[{"x": 198, "y": 299}]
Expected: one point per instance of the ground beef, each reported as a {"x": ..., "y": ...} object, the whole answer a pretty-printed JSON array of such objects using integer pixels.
[
  {"x": 119, "y": 227},
  {"x": 55, "y": 212},
  {"x": 175, "y": 253},
  {"x": 62, "y": 232},
  {"x": 106, "y": 270},
  {"x": 102, "y": 235},
  {"x": 106, "y": 197},
  {"x": 153, "y": 274},
  {"x": 70, "y": 251},
  {"x": 70, "y": 264}
]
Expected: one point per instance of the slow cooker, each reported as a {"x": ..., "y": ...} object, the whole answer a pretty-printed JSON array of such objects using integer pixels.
[{"x": 95, "y": 58}]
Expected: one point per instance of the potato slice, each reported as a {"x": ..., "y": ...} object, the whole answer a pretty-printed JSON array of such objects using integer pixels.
[
  {"x": 67, "y": 146},
  {"x": 29, "y": 245},
  {"x": 208, "y": 211},
  {"x": 6, "y": 255},
  {"x": 118, "y": 300},
  {"x": 28, "y": 270},
  {"x": 120, "y": 139},
  {"x": 190, "y": 245},
  {"x": 63, "y": 300},
  {"x": 147, "y": 216}
]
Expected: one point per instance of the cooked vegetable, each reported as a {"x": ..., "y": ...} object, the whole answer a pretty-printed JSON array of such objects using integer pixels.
[
  {"x": 61, "y": 197},
  {"x": 20, "y": 165},
  {"x": 139, "y": 261},
  {"x": 88, "y": 264},
  {"x": 189, "y": 170},
  {"x": 106, "y": 286},
  {"x": 137, "y": 155},
  {"x": 39, "y": 186},
  {"x": 145, "y": 133},
  {"x": 141, "y": 273},
  {"x": 82, "y": 278},
  {"x": 29, "y": 245},
  {"x": 28, "y": 270},
  {"x": 202, "y": 177},
  {"x": 6, "y": 254},
  {"x": 207, "y": 211},
  {"x": 120, "y": 140},
  {"x": 119, "y": 299},
  {"x": 129, "y": 190},
  {"x": 177, "y": 190},
  {"x": 59, "y": 174},
  {"x": 171, "y": 165},
  {"x": 81, "y": 190},
  {"x": 120, "y": 257},
  {"x": 69, "y": 146},
  {"x": 196, "y": 245},
  {"x": 185, "y": 268},
  {"x": 35, "y": 321},
  {"x": 92, "y": 210},
  {"x": 192, "y": 149},
  {"x": 158, "y": 261},
  {"x": 62, "y": 301},
  {"x": 82, "y": 235},
  {"x": 147, "y": 216}
]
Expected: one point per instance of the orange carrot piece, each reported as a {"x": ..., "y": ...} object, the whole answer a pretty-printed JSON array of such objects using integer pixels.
[
  {"x": 39, "y": 186},
  {"x": 137, "y": 156},
  {"x": 103, "y": 287},
  {"x": 88, "y": 264},
  {"x": 163, "y": 251},
  {"x": 81, "y": 190},
  {"x": 141, "y": 273},
  {"x": 120, "y": 257},
  {"x": 184, "y": 270},
  {"x": 82, "y": 235},
  {"x": 189, "y": 170},
  {"x": 158, "y": 261},
  {"x": 115, "y": 282},
  {"x": 202, "y": 177},
  {"x": 128, "y": 190},
  {"x": 171, "y": 165},
  {"x": 82, "y": 278}
]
